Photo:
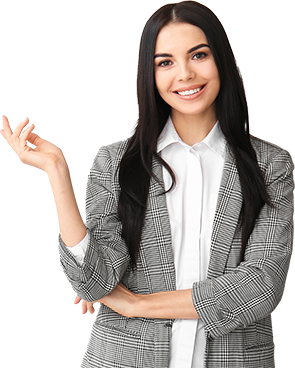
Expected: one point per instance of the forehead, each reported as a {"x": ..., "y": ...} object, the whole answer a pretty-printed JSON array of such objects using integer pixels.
[{"x": 178, "y": 37}]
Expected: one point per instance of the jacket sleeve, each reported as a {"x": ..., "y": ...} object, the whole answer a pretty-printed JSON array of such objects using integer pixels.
[
  {"x": 107, "y": 256},
  {"x": 253, "y": 290}
]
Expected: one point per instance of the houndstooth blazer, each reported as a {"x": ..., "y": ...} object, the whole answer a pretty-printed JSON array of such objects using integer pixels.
[{"x": 235, "y": 301}]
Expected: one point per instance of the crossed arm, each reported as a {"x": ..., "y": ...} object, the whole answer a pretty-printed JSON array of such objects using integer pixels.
[{"x": 176, "y": 304}]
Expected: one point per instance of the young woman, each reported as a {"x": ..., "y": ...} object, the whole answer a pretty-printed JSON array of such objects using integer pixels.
[{"x": 189, "y": 222}]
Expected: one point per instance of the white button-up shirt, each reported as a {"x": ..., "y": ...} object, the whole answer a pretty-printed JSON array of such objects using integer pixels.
[{"x": 191, "y": 206}]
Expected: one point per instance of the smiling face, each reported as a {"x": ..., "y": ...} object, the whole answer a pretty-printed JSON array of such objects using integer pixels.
[{"x": 186, "y": 75}]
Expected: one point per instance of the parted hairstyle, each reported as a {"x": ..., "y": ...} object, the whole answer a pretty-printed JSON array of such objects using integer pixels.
[{"x": 135, "y": 169}]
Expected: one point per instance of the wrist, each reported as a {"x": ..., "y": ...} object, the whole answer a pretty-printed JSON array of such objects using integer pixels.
[
  {"x": 57, "y": 167},
  {"x": 138, "y": 305}
]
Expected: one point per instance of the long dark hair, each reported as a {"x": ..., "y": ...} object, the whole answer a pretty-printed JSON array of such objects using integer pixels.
[{"x": 231, "y": 110}]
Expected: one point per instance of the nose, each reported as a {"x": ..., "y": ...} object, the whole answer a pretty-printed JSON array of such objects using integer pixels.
[{"x": 185, "y": 72}]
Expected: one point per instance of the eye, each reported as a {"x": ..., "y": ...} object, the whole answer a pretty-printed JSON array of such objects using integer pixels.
[
  {"x": 199, "y": 55},
  {"x": 165, "y": 63}
]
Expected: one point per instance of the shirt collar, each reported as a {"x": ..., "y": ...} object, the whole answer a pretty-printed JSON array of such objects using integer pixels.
[
  {"x": 168, "y": 136},
  {"x": 215, "y": 140}
]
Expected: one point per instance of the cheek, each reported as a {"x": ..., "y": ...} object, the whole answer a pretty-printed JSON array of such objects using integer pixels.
[
  {"x": 163, "y": 81},
  {"x": 215, "y": 75},
  {"x": 159, "y": 81},
  {"x": 210, "y": 71}
]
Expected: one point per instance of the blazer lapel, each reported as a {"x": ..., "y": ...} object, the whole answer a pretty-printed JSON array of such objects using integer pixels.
[
  {"x": 227, "y": 214},
  {"x": 156, "y": 252}
]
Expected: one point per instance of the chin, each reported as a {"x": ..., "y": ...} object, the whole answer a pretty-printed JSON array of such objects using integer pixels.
[{"x": 194, "y": 111}]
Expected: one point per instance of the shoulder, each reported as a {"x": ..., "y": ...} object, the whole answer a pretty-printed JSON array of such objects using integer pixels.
[
  {"x": 276, "y": 164},
  {"x": 104, "y": 171},
  {"x": 109, "y": 156},
  {"x": 267, "y": 152}
]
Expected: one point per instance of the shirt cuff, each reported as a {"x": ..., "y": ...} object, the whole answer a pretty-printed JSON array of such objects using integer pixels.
[{"x": 79, "y": 250}]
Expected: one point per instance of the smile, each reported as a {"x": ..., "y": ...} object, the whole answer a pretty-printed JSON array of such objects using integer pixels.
[{"x": 191, "y": 93}]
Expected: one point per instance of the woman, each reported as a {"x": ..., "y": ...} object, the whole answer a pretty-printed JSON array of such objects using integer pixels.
[{"x": 189, "y": 222}]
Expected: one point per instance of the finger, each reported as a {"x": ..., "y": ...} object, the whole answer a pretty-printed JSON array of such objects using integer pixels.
[
  {"x": 6, "y": 128},
  {"x": 90, "y": 307},
  {"x": 84, "y": 307},
  {"x": 25, "y": 135},
  {"x": 34, "y": 139},
  {"x": 20, "y": 127},
  {"x": 77, "y": 300},
  {"x": 2, "y": 132}
]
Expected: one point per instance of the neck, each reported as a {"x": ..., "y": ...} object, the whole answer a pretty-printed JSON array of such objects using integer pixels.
[{"x": 191, "y": 128}]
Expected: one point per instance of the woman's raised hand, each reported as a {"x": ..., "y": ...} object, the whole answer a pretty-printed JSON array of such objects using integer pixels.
[{"x": 44, "y": 156}]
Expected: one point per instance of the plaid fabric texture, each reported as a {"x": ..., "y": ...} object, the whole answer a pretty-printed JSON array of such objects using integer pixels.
[{"x": 235, "y": 301}]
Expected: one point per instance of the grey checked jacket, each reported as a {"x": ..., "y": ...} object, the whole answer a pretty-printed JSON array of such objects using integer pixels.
[{"x": 235, "y": 301}]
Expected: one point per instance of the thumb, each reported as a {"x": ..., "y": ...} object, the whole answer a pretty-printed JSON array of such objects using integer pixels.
[
  {"x": 34, "y": 139},
  {"x": 2, "y": 133},
  {"x": 77, "y": 299}
]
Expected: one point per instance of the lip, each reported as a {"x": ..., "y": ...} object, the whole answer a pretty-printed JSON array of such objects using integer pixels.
[
  {"x": 188, "y": 88},
  {"x": 190, "y": 97}
]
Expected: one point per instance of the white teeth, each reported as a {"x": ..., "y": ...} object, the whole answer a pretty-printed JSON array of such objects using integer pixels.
[{"x": 190, "y": 92}]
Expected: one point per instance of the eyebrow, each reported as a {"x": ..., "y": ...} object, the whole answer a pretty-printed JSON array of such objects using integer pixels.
[{"x": 189, "y": 51}]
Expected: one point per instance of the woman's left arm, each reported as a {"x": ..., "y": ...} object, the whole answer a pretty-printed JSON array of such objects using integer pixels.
[
  {"x": 252, "y": 290},
  {"x": 167, "y": 304},
  {"x": 176, "y": 304},
  {"x": 248, "y": 293}
]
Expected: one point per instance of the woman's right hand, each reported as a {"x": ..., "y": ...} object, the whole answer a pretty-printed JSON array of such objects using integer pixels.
[{"x": 44, "y": 156}]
